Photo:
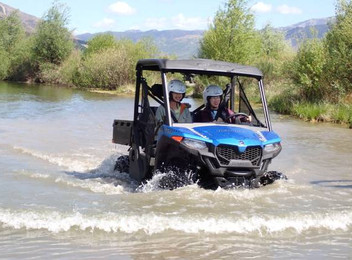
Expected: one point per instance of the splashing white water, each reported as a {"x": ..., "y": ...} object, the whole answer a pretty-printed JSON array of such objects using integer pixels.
[
  {"x": 99, "y": 180},
  {"x": 152, "y": 223},
  {"x": 169, "y": 179},
  {"x": 83, "y": 162}
]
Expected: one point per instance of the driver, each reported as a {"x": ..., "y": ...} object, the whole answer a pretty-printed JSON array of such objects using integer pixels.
[
  {"x": 214, "y": 111},
  {"x": 179, "y": 111}
]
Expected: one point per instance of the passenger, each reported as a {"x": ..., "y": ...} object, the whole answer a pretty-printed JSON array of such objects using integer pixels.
[
  {"x": 214, "y": 111},
  {"x": 179, "y": 111}
]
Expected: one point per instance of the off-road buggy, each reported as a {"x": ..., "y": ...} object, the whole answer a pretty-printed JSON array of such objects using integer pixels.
[{"x": 217, "y": 154}]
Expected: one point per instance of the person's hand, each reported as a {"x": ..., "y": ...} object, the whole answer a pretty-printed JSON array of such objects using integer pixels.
[
  {"x": 239, "y": 118},
  {"x": 243, "y": 118}
]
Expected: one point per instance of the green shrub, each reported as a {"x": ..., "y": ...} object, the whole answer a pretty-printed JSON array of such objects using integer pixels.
[
  {"x": 339, "y": 48},
  {"x": 4, "y": 64},
  {"x": 22, "y": 66},
  {"x": 311, "y": 112},
  {"x": 342, "y": 114},
  {"x": 52, "y": 40},
  {"x": 49, "y": 73},
  {"x": 69, "y": 69},
  {"x": 108, "y": 69},
  {"x": 308, "y": 70},
  {"x": 99, "y": 43},
  {"x": 231, "y": 36},
  {"x": 112, "y": 67}
]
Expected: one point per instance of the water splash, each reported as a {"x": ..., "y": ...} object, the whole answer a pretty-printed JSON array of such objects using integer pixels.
[
  {"x": 102, "y": 179},
  {"x": 152, "y": 223},
  {"x": 83, "y": 162},
  {"x": 168, "y": 179}
]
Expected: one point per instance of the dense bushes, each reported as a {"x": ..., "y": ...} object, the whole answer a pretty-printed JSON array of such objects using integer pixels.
[
  {"x": 322, "y": 74},
  {"x": 339, "y": 49},
  {"x": 308, "y": 66},
  {"x": 107, "y": 69},
  {"x": 323, "y": 68},
  {"x": 12, "y": 39},
  {"x": 109, "y": 66},
  {"x": 106, "y": 63},
  {"x": 48, "y": 55},
  {"x": 52, "y": 40}
]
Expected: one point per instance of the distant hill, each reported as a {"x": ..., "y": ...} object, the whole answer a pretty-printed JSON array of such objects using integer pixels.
[
  {"x": 181, "y": 43},
  {"x": 184, "y": 43},
  {"x": 307, "y": 29},
  {"x": 174, "y": 41},
  {"x": 29, "y": 21}
]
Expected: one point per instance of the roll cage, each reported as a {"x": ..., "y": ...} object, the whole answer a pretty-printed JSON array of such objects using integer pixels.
[{"x": 190, "y": 68}]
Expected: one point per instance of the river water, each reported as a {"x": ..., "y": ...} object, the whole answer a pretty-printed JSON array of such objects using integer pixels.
[{"x": 61, "y": 199}]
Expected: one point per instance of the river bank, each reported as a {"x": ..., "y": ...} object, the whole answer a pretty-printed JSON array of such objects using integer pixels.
[{"x": 323, "y": 112}]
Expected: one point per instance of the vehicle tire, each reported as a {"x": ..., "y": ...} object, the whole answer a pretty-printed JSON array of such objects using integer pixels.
[
  {"x": 271, "y": 176},
  {"x": 122, "y": 164},
  {"x": 176, "y": 175}
]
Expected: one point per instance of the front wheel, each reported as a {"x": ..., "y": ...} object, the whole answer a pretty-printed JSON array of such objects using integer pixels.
[
  {"x": 122, "y": 164},
  {"x": 271, "y": 176},
  {"x": 176, "y": 175}
]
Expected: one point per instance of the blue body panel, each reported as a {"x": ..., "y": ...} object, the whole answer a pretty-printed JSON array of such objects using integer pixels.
[{"x": 224, "y": 134}]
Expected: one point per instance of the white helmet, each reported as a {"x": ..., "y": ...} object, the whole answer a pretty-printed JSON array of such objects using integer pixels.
[
  {"x": 211, "y": 91},
  {"x": 177, "y": 86}
]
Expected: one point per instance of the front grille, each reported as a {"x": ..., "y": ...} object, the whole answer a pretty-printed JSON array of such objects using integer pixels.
[{"x": 225, "y": 153}]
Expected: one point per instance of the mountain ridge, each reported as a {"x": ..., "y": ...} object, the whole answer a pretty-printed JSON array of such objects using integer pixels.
[
  {"x": 172, "y": 42},
  {"x": 29, "y": 21}
]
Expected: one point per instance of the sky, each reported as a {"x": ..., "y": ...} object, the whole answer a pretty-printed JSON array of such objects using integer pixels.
[{"x": 113, "y": 15}]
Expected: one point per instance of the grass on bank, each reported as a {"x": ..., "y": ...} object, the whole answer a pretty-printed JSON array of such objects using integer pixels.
[
  {"x": 324, "y": 112},
  {"x": 128, "y": 89},
  {"x": 283, "y": 98}
]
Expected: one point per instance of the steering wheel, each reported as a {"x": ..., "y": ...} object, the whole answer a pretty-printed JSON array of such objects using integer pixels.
[{"x": 240, "y": 118}]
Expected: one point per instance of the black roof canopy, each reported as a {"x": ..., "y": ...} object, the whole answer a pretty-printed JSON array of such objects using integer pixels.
[{"x": 200, "y": 66}]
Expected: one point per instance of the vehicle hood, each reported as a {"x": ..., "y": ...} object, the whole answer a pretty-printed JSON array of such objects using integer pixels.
[{"x": 229, "y": 134}]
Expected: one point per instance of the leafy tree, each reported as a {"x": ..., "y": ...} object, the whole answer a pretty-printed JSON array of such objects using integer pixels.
[
  {"x": 111, "y": 67},
  {"x": 11, "y": 31},
  {"x": 274, "y": 53},
  {"x": 272, "y": 42},
  {"x": 144, "y": 48},
  {"x": 11, "y": 36},
  {"x": 22, "y": 62},
  {"x": 4, "y": 64},
  {"x": 232, "y": 36},
  {"x": 52, "y": 41},
  {"x": 99, "y": 43},
  {"x": 339, "y": 47},
  {"x": 308, "y": 70}
]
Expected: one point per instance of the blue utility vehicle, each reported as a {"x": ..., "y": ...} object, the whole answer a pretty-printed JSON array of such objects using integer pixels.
[{"x": 218, "y": 154}]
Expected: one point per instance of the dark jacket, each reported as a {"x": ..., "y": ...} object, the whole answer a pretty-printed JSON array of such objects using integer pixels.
[{"x": 205, "y": 115}]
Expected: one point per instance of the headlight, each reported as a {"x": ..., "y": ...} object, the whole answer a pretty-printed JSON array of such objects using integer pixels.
[
  {"x": 273, "y": 148},
  {"x": 194, "y": 144}
]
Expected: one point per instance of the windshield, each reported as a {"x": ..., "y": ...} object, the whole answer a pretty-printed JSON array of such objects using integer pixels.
[{"x": 230, "y": 100}]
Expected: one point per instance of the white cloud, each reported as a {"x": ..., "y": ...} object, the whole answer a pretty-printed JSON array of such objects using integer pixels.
[
  {"x": 121, "y": 8},
  {"x": 155, "y": 23},
  {"x": 261, "y": 7},
  {"x": 105, "y": 23},
  {"x": 285, "y": 9},
  {"x": 176, "y": 22},
  {"x": 182, "y": 22}
]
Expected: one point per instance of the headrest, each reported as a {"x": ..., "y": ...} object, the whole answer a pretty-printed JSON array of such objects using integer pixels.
[{"x": 157, "y": 90}]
